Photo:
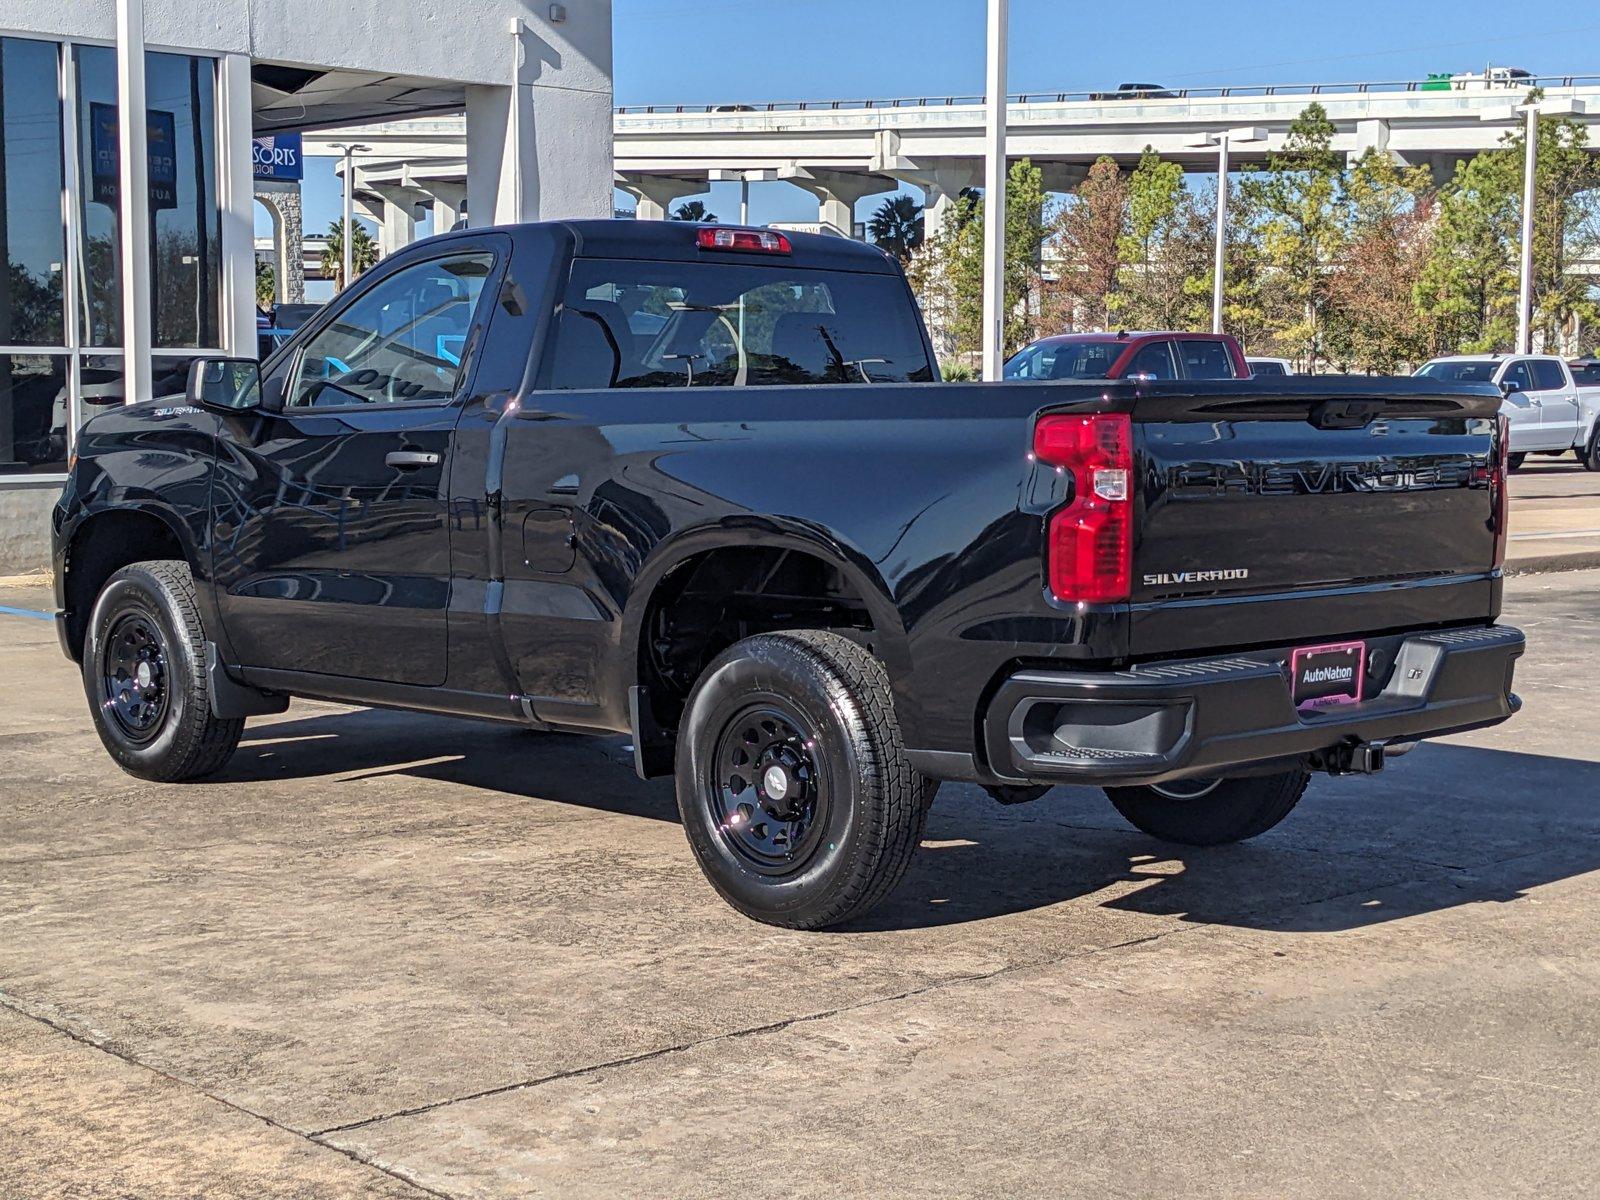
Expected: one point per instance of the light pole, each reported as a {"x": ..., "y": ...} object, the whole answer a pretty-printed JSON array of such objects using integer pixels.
[
  {"x": 1222, "y": 141},
  {"x": 347, "y": 241},
  {"x": 994, "y": 194},
  {"x": 1530, "y": 112}
]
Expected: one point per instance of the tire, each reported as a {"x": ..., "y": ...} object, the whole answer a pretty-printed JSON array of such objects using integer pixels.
[
  {"x": 1230, "y": 810},
  {"x": 1589, "y": 455},
  {"x": 145, "y": 679},
  {"x": 1514, "y": 462},
  {"x": 826, "y": 838}
]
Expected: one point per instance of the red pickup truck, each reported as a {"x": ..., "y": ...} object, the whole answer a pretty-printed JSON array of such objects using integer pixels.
[{"x": 1147, "y": 355}]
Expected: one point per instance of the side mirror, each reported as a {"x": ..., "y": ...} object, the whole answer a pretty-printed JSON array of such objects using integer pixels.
[
  {"x": 229, "y": 384},
  {"x": 1507, "y": 386}
]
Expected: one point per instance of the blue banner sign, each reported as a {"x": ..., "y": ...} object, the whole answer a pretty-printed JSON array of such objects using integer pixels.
[{"x": 277, "y": 156}]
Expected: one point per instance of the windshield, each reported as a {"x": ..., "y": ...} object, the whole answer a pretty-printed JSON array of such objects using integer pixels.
[
  {"x": 1461, "y": 370},
  {"x": 1065, "y": 360}
]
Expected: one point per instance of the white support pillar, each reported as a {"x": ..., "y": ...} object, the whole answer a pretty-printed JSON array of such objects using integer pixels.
[
  {"x": 134, "y": 200},
  {"x": 837, "y": 193},
  {"x": 1220, "y": 251},
  {"x": 994, "y": 196},
  {"x": 656, "y": 193},
  {"x": 397, "y": 228},
  {"x": 1530, "y": 171},
  {"x": 449, "y": 202},
  {"x": 236, "y": 196}
]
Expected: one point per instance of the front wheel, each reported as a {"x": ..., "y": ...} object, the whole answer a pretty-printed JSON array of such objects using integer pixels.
[
  {"x": 1589, "y": 455},
  {"x": 793, "y": 782},
  {"x": 144, "y": 674},
  {"x": 1210, "y": 812},
  {"x": 1514, "y": 461}
]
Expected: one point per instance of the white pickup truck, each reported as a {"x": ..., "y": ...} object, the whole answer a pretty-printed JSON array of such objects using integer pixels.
[{"x": 1547, "y": 411}]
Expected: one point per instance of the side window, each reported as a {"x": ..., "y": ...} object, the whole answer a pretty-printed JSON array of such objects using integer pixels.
[
  {"x": 1206, "y": 360},
  {"x": 1153, "y": 362},
  {"x": 1548, "y": 375},
  {"x": 1517, "y": 373},
  {"x": 402, "y": 341}
]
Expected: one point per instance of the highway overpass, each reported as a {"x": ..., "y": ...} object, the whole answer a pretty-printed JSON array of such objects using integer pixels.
[{"x": 844, "y": 150}]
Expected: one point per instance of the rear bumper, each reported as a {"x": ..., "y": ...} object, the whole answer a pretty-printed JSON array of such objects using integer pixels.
[{"x": 1212, "y": 716}]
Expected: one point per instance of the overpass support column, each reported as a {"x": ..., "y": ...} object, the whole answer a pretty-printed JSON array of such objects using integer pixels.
[
  {"x": 837, "y": 193},
  {"x": 398, "y": 227},
  {"x": 655, "y": 193},
  {"x": 1371, "y": 134},
  {"x": 449, "y": 202},
  {"x": 943, "y": 188}
]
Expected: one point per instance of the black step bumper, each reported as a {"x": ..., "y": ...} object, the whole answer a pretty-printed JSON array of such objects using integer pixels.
[{"x": 1218, "y": 716}]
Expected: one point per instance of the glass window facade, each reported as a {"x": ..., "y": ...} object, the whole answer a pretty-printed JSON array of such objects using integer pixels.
[
  {"x": 32, "y": 229},
  {"x": 60, "y": 234},
  {"x": 185, "y": 222}
]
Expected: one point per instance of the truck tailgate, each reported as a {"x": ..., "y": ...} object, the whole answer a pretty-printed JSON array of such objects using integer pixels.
[{"x": 1269, "y": 513}]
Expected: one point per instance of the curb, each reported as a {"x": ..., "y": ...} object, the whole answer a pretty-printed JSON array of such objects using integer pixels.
[{"x": 1546, "y": 564}]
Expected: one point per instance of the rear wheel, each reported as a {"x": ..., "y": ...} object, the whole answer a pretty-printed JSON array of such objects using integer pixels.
[
  {"x": 1210, "y": 812},
  {"x": 144, "y": 675},
  {"x": 1514, "y": 461},
  {"x": 792, "y": 780}
]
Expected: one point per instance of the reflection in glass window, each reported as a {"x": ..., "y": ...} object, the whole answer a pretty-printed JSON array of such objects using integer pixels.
[
  {"x": 32, "y": 241},
  {"x": 185, "y": 250},
  {"x": 401, "y": 341},
  {"x": 33, "y": 414},
  {"x": 650, "y": 324}
]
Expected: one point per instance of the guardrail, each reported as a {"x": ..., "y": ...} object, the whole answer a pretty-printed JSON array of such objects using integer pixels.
[{"x": 1245, "y": 91}]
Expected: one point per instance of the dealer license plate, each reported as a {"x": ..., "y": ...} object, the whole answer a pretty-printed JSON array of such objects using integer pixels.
[{"x": 1322, "y": 676}]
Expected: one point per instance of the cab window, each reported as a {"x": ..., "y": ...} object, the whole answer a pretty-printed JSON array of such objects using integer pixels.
[
  {"x": 1206, "y": 360},
  {"x": 1548, "y": 375},
  {"x": 400, "y": 342},
  {"x": 1153, "y": 362},
  {"x": 1518, "y": 374}
]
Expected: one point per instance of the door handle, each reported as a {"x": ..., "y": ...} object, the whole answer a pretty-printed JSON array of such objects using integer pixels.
[{"x": 410, "y": 460}]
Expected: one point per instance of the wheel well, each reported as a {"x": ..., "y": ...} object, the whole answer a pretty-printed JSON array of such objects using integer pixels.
[
  {"x": 104, "y": 545},
  {"x": 716, "y": 598}
]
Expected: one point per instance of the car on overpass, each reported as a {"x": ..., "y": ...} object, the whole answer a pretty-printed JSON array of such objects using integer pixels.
[{"x": 1149, "y": 355}]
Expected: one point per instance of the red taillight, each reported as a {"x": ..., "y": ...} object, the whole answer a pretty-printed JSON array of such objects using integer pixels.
[
  {"x": 1089, "y": 549},
  {"x": 1498, "y": 486},
  {"x": 756, "y": 241}
]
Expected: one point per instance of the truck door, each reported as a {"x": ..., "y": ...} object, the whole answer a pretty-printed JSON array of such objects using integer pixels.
[
  {"x": 1558, "y": 403},
  {"x": 330, "y": 533},
  {"x": 1522, "y": 409}
]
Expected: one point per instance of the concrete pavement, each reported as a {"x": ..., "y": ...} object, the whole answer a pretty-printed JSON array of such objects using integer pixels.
[
  {"x": 392, "y": 955},
  {"x": 1555, "y": 517}
]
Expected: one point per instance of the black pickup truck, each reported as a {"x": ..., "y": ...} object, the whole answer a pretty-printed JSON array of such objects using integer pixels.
[{"x": 702, "y": 486}]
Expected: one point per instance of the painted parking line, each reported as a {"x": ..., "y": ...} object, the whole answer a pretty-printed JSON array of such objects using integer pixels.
[
  {"x": 1545, "y": 537},
  {"x": 7, "y": 610}
]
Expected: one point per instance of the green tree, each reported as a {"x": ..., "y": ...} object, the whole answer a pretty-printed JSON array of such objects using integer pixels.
[
  {"x": 1294, "y": 207},
  {"x": 363, "y": 252},
  {"x": 1165, "y": 278},
  {"x": 1467, "y": 287},
  {"x": 693, "y": 210},
  {"x": 1566, "y": 225},
  {"x": 896, "y": 226},
  {"x": 947, "y": 273},
  {"x": 266, "y": 284}
]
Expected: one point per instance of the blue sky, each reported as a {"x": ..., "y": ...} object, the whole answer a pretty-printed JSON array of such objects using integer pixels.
[{"x": 739, "y": 51}]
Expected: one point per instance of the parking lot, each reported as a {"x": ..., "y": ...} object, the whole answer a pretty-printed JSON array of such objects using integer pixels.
[{"x": 395, "y": 955}]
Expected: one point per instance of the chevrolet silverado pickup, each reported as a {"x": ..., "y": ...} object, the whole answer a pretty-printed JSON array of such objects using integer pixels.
[{"x": 702, "y": 486}]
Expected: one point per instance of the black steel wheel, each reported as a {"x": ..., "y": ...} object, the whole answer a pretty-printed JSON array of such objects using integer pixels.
[
  {"x": 793, "y": 784},
  {"x": 133, "y": 673},
  {"x": 770, "y": 794},
  {"x": 145, "y": 678}
]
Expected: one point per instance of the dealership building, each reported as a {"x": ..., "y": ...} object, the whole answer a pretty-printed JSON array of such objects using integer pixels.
[{"x": 226, "y": 86}]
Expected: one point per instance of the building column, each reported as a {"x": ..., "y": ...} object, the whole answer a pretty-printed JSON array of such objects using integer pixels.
[
  {"x": 236, "y": 198},
  {"x": 288, "y": 238},
  {"x": 536, "y": 151},
  {"x": 655, "y": 193}
]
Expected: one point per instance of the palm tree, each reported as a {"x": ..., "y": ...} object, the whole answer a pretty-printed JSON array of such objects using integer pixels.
[
  {"x": 897, "y": 226},
  {"x": 363, "y": 251},
  {"x": 693, "y": 210}
]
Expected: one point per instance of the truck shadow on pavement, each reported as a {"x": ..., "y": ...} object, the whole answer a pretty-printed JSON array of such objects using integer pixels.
[{"x": 1447, "y": 825}]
